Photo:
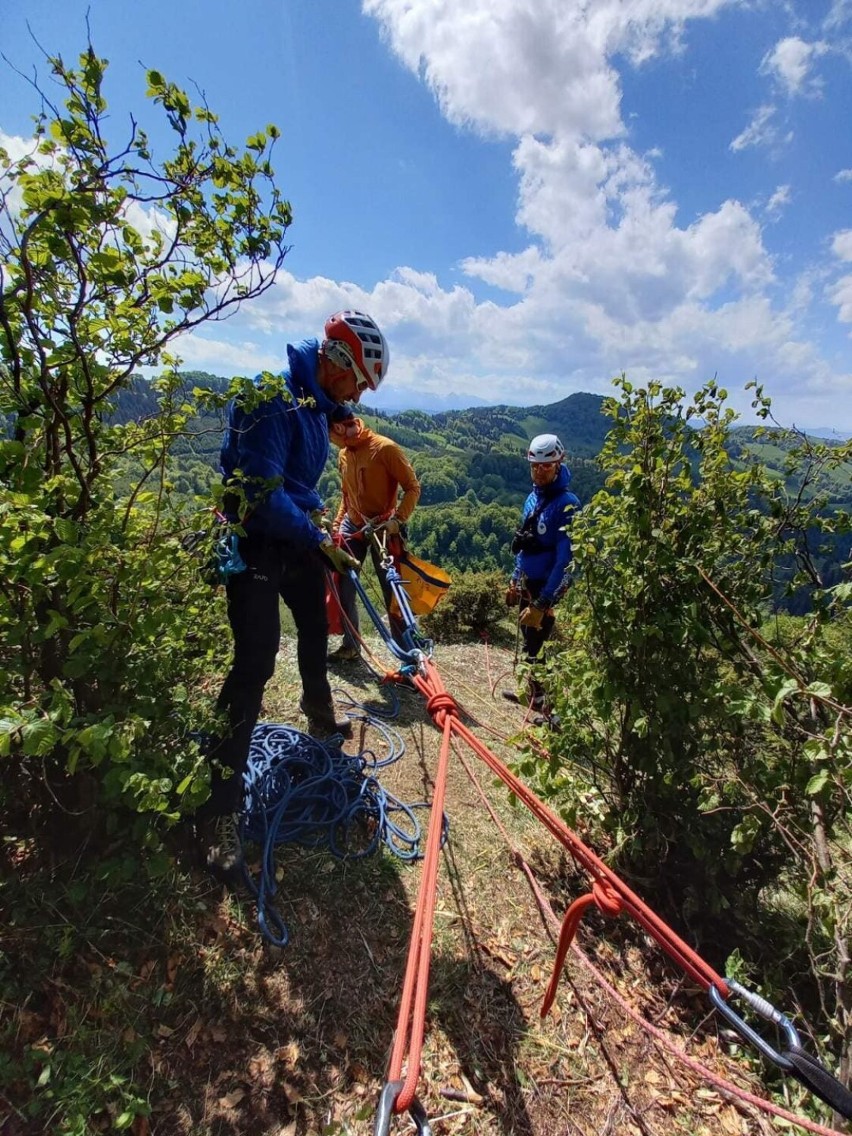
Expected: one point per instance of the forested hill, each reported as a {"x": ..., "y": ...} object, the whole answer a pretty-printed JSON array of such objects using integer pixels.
[
  {"x": 470, "y": 463},
  {"x": 456, "y": 453},
  {"x": 577, "y": 419}
]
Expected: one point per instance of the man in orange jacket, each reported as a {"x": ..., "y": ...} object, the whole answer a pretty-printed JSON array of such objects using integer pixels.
[{"x": 373, "y": 470}]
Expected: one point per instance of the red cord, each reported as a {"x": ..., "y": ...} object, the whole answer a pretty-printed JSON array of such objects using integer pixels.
[
  {"x": 609, "y": 893},
  {"x": 721, "y": 1083}
]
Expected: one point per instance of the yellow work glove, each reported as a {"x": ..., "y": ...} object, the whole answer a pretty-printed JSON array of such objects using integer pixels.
[
  {"x": 392, "y": 526},
  {"x": 339, "y": 559},
  {"x": 321, "y": 519},
  {"x": 531, "y": 617}
]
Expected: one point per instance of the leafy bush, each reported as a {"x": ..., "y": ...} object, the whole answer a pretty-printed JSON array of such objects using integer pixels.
[
  {"x": 105, "y": 257},
  {"x": 718, "y": 764},
  {"x": 473, "y": 607}
]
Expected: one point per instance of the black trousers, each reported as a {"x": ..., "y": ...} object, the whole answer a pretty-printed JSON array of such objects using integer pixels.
[
  {"x": 273, "y": 569},
  {"x": 534, "y": 640}
]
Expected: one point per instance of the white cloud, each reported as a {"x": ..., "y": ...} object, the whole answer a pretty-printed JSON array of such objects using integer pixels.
[
  {"x": 841, "y": 244},
  {"x": 843, "y": 175},
  {"x": 839, "y": 16},
  {"x": 790, "y": 62},
  {"x": 611, "y": 278},
  {"x": 840, "y": 294},
  {"x": 778, "y": 202},
  {"x": 761, "y": 131},
  {"x": 15, "y": 146},
  {"x": 221, "y": 357},
  {"x": 537, "y": 66}
]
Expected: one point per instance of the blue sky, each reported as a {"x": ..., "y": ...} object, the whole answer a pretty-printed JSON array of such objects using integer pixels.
[{"x": 529, "y": 196}]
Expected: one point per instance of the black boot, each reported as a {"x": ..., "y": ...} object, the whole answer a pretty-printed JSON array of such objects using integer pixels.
[
  {"x": 323, "y": 724},
  {"x": 222, "y": 847}
]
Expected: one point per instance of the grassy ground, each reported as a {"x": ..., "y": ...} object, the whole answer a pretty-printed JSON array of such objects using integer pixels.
[{"x": 140, "y": 997}]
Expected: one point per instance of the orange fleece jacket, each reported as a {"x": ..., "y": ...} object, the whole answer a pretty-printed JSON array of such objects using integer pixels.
[{"x": 372, "y": 470}]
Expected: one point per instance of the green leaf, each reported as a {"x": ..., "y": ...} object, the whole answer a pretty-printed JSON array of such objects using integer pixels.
[
  {"x": 820, "y": 689},
  {"x": 817, "y": 783},
  {"x": 39, "y": 737}
]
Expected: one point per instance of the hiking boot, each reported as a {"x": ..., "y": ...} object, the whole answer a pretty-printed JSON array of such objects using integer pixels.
[
  {"x": 511, "y": 696},
  {"x": 322, "y": 724},
  {"x": 345, "y": 653},
  {"x": 552, "y": 721},
  {"x": 222, "y": 847}
]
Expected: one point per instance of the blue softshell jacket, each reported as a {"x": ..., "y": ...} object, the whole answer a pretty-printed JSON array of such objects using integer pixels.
[
  {"x": 553, "y": 529},
  {"x": 281, "y": 449}
]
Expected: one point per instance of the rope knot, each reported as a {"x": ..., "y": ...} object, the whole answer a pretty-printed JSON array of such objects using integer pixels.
[
  {"x": 607, "y": 899},
  {"x": 442, "y": 704}
]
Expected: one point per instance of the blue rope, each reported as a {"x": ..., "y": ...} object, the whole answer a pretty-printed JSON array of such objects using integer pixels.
[
  {"x": 302, "y": 791},
  {"x": 414, "y": 644}
]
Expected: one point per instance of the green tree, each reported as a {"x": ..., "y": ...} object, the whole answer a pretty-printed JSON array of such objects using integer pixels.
[{"x": 106, "y": 257}]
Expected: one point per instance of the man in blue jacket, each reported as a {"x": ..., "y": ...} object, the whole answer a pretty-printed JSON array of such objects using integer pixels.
[
  {"x": 273, "y": 455},
  {"x": 542, "y": 547}
]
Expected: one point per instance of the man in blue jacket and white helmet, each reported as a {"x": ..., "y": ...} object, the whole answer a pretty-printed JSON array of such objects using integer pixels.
[
  {"x": 542, "y": 547},
  {"x": 272, "y": 458}
]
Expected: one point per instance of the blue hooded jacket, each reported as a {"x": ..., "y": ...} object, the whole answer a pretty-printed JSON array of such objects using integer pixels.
[
  {"x": 281, "y": 450},
  {"x": 552, "y": 527}
]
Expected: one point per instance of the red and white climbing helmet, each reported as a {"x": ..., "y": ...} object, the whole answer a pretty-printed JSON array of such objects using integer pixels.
[
  {"x": 545, "y": 448},
  {"x": 353, "y": 339}
]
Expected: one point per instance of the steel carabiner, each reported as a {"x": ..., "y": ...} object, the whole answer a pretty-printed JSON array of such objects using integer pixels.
[
  {"x": 765, "y": 1010},
  {"x": 384, "y": 1112}
]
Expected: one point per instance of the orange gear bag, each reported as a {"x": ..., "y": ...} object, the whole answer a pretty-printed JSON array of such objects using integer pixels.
[{"x": 425, "y": 584}]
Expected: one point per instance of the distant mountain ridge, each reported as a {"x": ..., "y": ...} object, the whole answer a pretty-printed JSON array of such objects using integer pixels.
[
  {"x": 578, "y": 420},
  {"x": 472, "y": 467}
]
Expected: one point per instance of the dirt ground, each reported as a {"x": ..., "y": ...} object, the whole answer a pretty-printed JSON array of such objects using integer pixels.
[
  {"x": 154, "y": 1005},
  {"x": 295, "y": 1041}
]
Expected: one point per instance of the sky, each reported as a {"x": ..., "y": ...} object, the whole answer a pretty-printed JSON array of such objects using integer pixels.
[{"x": 529, "y": 196}]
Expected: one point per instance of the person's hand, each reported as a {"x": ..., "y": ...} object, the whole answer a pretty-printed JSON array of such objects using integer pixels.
[
  {"x": 322, "y": 520},
  {"x": 340, "y": 560},
  {"x": 513, "y": 594},
  {"x": 392, "y": 526},
  {"x": 531, "y": 616}
]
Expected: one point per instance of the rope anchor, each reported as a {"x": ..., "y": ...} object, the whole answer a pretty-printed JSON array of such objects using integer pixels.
[{"x": 795, "y": 1061}]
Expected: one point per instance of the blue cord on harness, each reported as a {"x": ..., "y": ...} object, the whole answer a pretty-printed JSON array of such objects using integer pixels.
[{"x": 302, "y": 791}]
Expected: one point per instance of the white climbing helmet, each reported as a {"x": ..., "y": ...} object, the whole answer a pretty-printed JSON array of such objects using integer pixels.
[
  {"x": 545, "y": 448},
  {"x": 353, "y": 339}
]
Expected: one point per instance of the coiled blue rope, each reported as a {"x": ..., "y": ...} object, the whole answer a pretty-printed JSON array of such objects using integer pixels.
[{"x": 302, "y": 791}]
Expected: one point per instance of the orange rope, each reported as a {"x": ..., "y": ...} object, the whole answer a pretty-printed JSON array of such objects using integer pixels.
[
  {"x": 411, "y": 1025},
  {"x": 721, "y": 1083},
  {"x": 609, "y": 893}
]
